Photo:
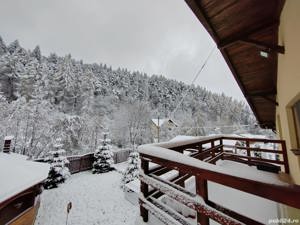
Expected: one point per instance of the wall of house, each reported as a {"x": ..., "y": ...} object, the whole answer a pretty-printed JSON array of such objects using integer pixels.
[
  {"x": 288, "y": 81},
  {"x": 288, "y": 90}
]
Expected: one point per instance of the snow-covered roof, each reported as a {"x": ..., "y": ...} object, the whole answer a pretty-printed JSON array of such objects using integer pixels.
[
  {"x": 8, "y": 138},
  {"x": 17, "y": 174},
  {"x": 160, "y": 122}
]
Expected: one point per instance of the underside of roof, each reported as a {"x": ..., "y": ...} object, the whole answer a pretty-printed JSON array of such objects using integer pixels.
[{"x": 246, "y": 33}]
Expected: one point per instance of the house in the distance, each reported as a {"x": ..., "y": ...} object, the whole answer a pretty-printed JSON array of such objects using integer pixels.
[
  {"x": 158, "y": 124},
  {"x": 20, "y": 188}
]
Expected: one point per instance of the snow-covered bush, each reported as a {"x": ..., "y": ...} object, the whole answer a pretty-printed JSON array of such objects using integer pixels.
[
  {"x": 59, "y": 172},
  {"x": 132, "y": 171},
  {"x": 103, "y": 157}
]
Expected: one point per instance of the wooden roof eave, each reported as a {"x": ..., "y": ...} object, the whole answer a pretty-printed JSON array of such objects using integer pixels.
[{"x": 222, "y": 44}]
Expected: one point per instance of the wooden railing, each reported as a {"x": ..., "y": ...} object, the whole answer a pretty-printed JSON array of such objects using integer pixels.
[{"x": 196, "y": 158}]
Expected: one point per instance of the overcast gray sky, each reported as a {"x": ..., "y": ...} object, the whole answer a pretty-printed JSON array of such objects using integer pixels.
[{"x": 153, "y": 36}]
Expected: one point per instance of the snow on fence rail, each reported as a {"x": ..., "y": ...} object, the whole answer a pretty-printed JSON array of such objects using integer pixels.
[
  {"x": 84, "y": 162},
  {"x": 170, "y": 156}
]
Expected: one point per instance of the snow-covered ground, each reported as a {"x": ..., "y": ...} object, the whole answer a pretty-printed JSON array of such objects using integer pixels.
[{"x": 96, "y": 199}]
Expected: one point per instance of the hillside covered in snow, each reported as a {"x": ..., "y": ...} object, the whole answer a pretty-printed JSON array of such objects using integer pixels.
[{"x": 43, "y": 98}]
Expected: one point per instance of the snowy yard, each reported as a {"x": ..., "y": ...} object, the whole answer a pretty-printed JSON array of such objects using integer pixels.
[{"x": 96, "y": 199}]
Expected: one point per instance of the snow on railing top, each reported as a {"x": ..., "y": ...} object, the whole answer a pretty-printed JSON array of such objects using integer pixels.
[{"x": 161, "y": 150}]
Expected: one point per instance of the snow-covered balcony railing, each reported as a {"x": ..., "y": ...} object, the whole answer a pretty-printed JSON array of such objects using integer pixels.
[{"x": 196, "y": 159}]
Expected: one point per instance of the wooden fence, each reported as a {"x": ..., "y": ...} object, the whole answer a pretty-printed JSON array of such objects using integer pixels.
[
  {"x": 80, "y": 163},
  {"x": 85, "y": 162},
  {"x": 121, "y": 155}
]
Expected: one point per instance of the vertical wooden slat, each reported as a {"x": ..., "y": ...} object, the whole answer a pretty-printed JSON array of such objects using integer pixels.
[
  {"x": 285, "y": 157},
  {"x": 248, "y": 151},
  {"x": 221, "y": 148},
  {"x": 144, "y": 190},
  {"x": 201, "y": 189},
  {"x": 213, "y": 150}
]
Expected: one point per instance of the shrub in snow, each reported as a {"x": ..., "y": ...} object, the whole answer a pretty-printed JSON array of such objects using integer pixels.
[
  {"x": 103, "y": 157},
  {"x": 132, "y": 171},
  {"x": 59, "y": 172}
]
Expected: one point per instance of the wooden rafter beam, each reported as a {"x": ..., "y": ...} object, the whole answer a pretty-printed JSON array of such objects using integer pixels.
[
  {"x": 245, "y": 36},
  {"x": 264, "y": 46},
  {"x": 263, "y": 93},
  {"x": 270, "y": 24}
]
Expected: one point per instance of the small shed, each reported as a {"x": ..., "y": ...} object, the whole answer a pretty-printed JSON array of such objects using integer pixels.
[
  {"x": 21, "y": 186},
  {"x": 7, "y": 143}
]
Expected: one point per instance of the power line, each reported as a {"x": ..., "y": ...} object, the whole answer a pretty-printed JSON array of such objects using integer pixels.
[{"x": 193, "y": 81}]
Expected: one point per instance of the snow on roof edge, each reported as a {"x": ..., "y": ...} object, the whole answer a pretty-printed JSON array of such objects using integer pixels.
[
  {"x": 19, "y": 174},
  {"x": 8, "y": 137}
]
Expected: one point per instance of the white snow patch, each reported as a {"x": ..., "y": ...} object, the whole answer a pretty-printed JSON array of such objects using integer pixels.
[
  {"x": 17, "y": 174},
  {"x": 159, "y": 122},
  {"x": 8, "y": 138},
  {"x": 96, "y": 199},
  {"x": 183, "y": 138}
]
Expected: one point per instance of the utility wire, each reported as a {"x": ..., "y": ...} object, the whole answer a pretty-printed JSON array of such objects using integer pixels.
[{"x": 193, "y": 81}]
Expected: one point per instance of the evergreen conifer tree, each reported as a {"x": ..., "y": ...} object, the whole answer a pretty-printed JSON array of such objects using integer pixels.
[
  {"x": 103, "y": 157},
  {"x": 58, "y": 171},
  {"x": 132, "y": 170},
  {"x": 3, "y": 48}
]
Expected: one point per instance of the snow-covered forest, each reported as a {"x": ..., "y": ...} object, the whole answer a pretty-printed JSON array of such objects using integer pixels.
[{"x": 45, "y": 98}]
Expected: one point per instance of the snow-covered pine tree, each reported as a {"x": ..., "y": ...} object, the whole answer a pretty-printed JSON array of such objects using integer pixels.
[
  {"x": 36, "y": 53},
  {"x": 12, "y": 47},
  {"x": 59, "y": 172},
  {"x": 3, "y": 48},
  {"x": 132, "y": 171},
  {"x": 103, "y": 157}
]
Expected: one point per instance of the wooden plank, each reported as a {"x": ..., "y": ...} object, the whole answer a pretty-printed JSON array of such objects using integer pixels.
[
  {"x": 247, "y": 33},
  {"x": 285, "y": 157},
  {"x": 201, "y": 189},
  {"x": 253, "y": 139},
  {"x": 233, "y": 214},
  {"x": 289, "y": 195},
  {"x": 253, "y": 26},
  {"x": 191, "y": 202},
  {"x": 27, "y": 218},
  {"x": 257, "y": 149},
  {"x": 216, "y": 158},
  {"x": 248, "y": 151},
  {"x": 144, "y": 190},
  {"x": 255, "y": 159}
]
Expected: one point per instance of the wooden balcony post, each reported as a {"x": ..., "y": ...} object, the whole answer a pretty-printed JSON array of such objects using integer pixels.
[
  {"x": 222, "y": 148},
  {"x": 213, "y": 150},
  {"x": 144, "y": 190},
  {"x": 248, "y": 151},
  {"x": 201, "y": 189},
  {"x": 200, "y": 150},
  {"x": 285, "y": 157}
]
